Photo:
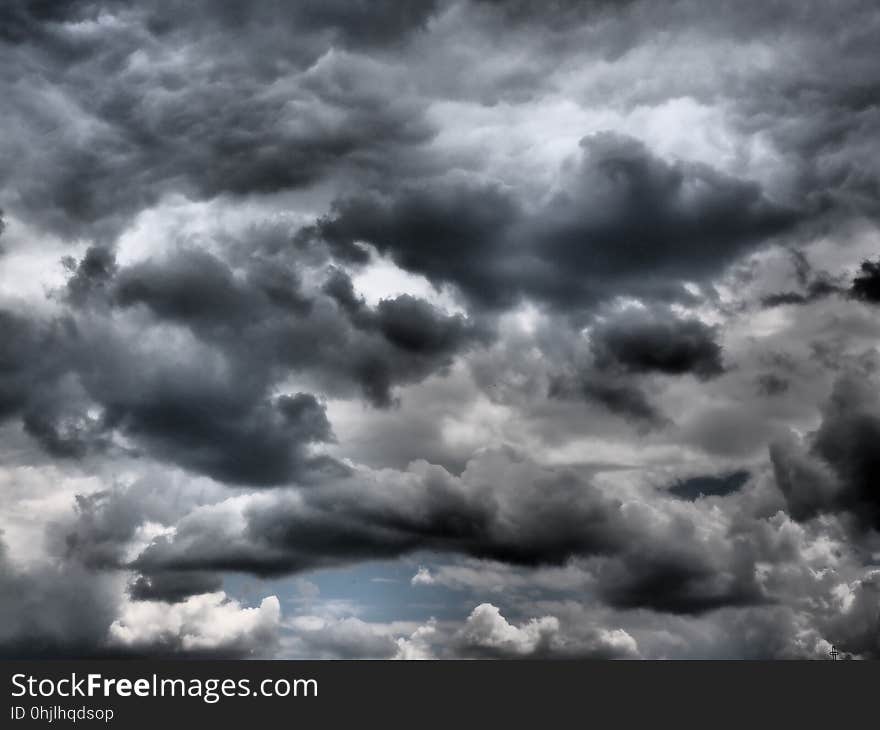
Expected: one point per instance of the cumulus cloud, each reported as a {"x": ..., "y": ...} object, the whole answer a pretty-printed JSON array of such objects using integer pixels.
[
  {"x": 483, "y": 633},
  {"x": 486, "y": 629},
  {"x": 487, "y": 632},
  {"x": 209, "y": 624},
  {"x": 422, "y": 577}
]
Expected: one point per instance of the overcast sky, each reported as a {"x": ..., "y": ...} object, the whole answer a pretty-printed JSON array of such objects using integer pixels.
[{"x": 463, "y": 328}]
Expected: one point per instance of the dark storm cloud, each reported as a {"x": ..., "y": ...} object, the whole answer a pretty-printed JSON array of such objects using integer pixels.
[
  {"x": 816, "y": 290},
  {"x": 866, "y": 285},
  {"x": 23, "y": 366},
  {"x": 643, "y": 341},
  {"x": 173, "y": 587},
  {"x": 77, "y": 381},
  {"x": 619, "y": 397},
  {"x": 262, "y": 319},
  {"x": 36, "y": 388},
  {"x": 837, "y": 472},
  {"x": 410, "y": 324},
  {"x": 502, "y": 508},
  {"x": 58, "y": 611},
  {"x": 22, "y": 21},
  {"x": 219, "y": 423},
  {"x": 448, "y": 233},
  {"x": 339, "y": 22},
  {"x": 89, "y": 275},
  {"x": 847, "y": 440},
  {"x": 213, "y": 429},
  {"x": 582, "y": 245},
  {"x": 552, "y": 516},
  {"x": 197, "y": 288},
  {"x": 233, "y": 122},
  {"x": 65, "y": 435},
  {"x": 678, "y": 584}
]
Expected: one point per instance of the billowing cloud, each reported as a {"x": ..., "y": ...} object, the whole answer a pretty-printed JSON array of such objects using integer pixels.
[
  {"x": 836, "y": 472},
  {"x": 866, "y": 285},
  {"x": 583, "y": 244},
  {"x": 645, "y": 342},
  {"x": 207, "y": 624}
]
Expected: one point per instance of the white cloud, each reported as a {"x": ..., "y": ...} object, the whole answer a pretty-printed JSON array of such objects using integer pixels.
[
  {"x": 206, "y": 622},
  {"x": 422, "y": 577},
  {"x": 487, "y": 628}
]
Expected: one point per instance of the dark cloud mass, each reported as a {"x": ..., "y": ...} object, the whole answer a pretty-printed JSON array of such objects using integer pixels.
[
  {"x": 549, "y": 327},
  {"x": 584, "y": 243},
  {"x": 837, "y": 470},
  {"x": 657, "y": 342},
  {"x": 866, "y": 285},
  {"x": 618, "y": 397}
]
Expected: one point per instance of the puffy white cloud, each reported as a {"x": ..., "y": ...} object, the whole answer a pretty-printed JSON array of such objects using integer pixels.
[
  {"x": 210, "y": 623},
  {"x": 418, "y": 644},
  {"x": 422, "y": 577},
  {"x": 486, "y": 628}
]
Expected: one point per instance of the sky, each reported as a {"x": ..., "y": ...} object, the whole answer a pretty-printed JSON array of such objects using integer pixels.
[{"x": 443, "y": 329}]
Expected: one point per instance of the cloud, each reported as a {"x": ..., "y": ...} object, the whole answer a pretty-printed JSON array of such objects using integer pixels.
[
  {"x": 582, "y": 245},
  {"x": 210, "y": 403},
  {"x": 68, "y": 609},
  {"x": 422, "y": 577},
  {"x": 618, "y": 397},
  {"x": 487, "y": 633},
  {"x": 866, "y": 286},
  {"x": 386, "y": 515},
  {"x": 126, "y": 141},
  {"x": 402, "y": 339},
  {"x": 641, "y": 341},
  {"x": 339, "y": 638},
  {"x": 173, "y": 587},
  {"x": 53, "y": 610},
  {"x": 520, "y": 294},
  {"x": 502, "y": 508},
  {"x": 484, "y": 633},
  {"x": 207, "y": 624},
  {"x": 834, "y": 473}
]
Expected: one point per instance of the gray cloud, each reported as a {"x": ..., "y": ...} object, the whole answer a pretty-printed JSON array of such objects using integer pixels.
[
  {"x": 645, "y": 342},
  {"x": 866, "y": 285},
  {"x": 835, "y": 473},
  {"x": 583, "y": 244}
]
